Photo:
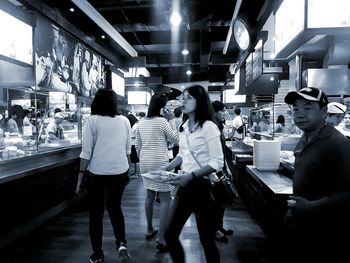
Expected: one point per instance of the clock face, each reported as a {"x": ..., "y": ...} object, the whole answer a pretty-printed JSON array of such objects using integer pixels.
[{"x": 241, "y": 34}]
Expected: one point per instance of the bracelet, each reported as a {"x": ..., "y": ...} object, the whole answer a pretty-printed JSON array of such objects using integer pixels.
[{"x": 193, "y": 176}]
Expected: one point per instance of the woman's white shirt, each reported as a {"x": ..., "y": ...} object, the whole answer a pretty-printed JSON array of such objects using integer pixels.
[
  {"x": 204, "y": 143},
  {"x": 112, "y": 138}
]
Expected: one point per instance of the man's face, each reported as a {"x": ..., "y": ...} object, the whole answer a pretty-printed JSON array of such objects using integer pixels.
[
  {"x": 335, "y": 119},
  {"x": 308, "y": 115}
]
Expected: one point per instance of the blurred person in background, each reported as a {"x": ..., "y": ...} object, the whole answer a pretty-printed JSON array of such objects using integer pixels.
[
  {"x": 134, "y": 159},
  {"x": 280, "y": 124},
  {"x": 345, "y": 127},
  {"x": 219, "y": 111},
  {"x": 335, "y": 113}
]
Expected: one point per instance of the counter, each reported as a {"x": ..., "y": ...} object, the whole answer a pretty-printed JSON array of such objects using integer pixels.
[
  {"x": 265, "y": 196},
  {"x": 35, "y": 188}
]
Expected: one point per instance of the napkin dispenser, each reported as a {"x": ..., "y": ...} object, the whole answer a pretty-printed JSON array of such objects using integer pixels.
[{"x": 266, "y": 155}]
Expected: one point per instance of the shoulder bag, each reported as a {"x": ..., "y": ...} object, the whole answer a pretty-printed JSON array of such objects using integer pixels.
[
  {"x": 222, "y": 190},
  {"x": 86, "y": 175}
]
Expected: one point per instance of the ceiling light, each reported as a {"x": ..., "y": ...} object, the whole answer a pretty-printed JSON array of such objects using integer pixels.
[
  {"x": 71, "y": 9},
  {"x": 175, "y": 19},
  {"x": 188, "y": 72},
  {"x": 185, "y": 52},
  {"x": 103, "y": 36}
]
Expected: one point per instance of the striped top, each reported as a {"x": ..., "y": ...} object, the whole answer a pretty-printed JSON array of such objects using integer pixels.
[{"x": 152, "y": 136}]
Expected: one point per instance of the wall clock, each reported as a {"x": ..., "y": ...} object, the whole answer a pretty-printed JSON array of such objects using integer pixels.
[{"x": 241, "y": 33}]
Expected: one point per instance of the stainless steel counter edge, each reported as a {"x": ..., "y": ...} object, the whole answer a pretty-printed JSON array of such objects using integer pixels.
[
  {"x": 20, "y": 167},
  {"x": 276, "y": 182}
]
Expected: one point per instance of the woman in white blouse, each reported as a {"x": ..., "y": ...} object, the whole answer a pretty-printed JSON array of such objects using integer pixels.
[
  {"x": 105, "y": 158},
  {"x": 200, "y": 155}
]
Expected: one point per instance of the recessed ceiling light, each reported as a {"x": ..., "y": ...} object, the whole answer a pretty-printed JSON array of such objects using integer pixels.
[
  {"x": 103, "y": 36},
  {"x": 185, "y": 51},
  {"x": 175, "y": 19},
  {"x": 188, "y": 72},
  {"x": 71, "y": 9}
]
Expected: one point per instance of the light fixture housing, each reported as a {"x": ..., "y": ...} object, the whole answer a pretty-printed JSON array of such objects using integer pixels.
[{"x": 241, "y": 34}]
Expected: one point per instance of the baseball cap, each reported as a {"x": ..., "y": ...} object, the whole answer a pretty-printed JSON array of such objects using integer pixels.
[
  {"x": 336, "y": 108},
  {"x": 59, "y": 115},
  {"x": 307, "y": 93}
]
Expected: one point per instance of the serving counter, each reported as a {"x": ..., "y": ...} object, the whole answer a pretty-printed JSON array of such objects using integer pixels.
[
  {"x": 35, "y": 188},
  {"x": 265, "y": 196}
]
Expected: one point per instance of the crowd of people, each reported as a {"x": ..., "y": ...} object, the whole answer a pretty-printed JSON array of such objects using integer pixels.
[{"x": 195, "y": 132}]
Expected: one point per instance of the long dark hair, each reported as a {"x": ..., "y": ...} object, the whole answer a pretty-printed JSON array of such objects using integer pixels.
[
  {"x": 204, "y": 109},
  {"x": 158, "y": 101},
  {"x": 104, "y": 103}
]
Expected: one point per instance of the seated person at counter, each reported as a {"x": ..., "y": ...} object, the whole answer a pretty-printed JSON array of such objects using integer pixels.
[
  {"x": 319, "y": 209},
  {"x": 335, "y": 113},
  {"x": 55, "y": 129}
]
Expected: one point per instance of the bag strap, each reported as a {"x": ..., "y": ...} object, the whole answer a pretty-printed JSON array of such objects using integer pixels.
[{"x": 194, "y": 157}]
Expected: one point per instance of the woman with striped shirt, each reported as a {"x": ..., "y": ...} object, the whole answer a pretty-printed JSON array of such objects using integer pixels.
[{"x": 152, "y": 137}]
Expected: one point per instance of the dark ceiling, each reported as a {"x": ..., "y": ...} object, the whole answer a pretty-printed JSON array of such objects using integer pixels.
[{"x": 145, "y": 25}]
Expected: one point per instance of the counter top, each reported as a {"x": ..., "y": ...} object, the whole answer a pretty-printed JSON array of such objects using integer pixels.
[
  {"x": 278, "y": 184},
  {"x": 239, "y": 147},
  {"x": 16, "y": 168}
]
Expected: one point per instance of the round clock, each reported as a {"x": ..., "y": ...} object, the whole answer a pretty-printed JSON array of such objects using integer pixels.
[{"x": 241, "y": 34}]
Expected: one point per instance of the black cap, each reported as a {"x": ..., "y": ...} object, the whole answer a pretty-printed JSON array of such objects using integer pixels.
[{"x": 308, "y": 93}]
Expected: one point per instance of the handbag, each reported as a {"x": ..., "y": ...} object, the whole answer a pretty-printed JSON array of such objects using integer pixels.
[
  {"x": 87, "y": 174},
  {"x": 222, "y": 190}
]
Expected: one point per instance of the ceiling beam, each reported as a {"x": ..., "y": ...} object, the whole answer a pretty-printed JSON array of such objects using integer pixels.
[{"x": 95, "y": 16}]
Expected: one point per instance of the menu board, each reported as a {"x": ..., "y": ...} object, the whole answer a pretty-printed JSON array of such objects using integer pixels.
[
  {"x": 254, "y": 65},
  {"x": 16, "y": 38},
  {"x": 64, "y": 64}
]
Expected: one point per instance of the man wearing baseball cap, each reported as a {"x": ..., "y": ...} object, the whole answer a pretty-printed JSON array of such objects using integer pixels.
[
  {"x": 335, "y": 113},
  {"x": 319, "y": 207}
]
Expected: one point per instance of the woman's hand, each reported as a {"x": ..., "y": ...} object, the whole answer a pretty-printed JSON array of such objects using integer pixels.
[{"x": 181, "y": 179}]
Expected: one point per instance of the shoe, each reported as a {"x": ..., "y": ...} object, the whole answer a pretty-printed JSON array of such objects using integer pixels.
[
  {"x": 134, "y": 176},
  {"x": 97, "y": 258},
  {"x": 152, "y": 235},
  {"x": 222, "y": 239},
  {"x": 161, "y": 247},
  {"x": 123, "y": 251},
  {"x": 226, "y": 232}
]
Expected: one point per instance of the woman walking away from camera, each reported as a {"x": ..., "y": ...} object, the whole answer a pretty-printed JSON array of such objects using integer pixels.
[
  {"x": 134, "y": 159},
  {"x": 201, "y": 155},
  {"x": 105, "y": 159},
  {"x": 152, "y": 137}
]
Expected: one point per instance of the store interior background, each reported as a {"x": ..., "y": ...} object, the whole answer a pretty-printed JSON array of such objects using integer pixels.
[{"x": 293, "y": 44}]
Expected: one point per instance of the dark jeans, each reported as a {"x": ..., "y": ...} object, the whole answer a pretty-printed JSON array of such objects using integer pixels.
[
  {"x": 193, "y": 198},
  {"x": 106, "y": 190}
]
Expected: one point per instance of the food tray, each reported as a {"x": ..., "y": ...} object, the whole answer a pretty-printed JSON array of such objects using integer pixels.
[{"x": 158, "y": 175}]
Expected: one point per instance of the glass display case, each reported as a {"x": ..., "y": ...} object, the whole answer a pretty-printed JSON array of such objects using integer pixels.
[{"x": 36, "y": 121}]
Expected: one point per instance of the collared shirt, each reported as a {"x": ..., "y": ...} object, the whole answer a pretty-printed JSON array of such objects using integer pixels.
[
  {"x": 52, "y": 127},
  {"x": 204, "y": 143},
  {"x": 106, "y": 143},
  {"x": 322, "y": 165}
]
